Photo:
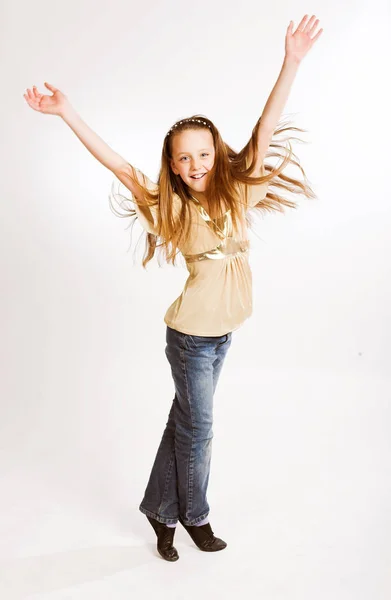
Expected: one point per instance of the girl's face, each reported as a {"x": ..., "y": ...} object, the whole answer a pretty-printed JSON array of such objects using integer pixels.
[{"x": 193, "y": 155}]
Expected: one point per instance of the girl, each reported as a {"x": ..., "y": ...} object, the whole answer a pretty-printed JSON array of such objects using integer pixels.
[{"x": 199, "y": 208}]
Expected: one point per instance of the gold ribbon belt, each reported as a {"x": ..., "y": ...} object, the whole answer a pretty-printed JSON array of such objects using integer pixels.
[{"x": 228, "y": 247}]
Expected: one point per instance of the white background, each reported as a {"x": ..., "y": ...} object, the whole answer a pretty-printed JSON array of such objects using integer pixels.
[{"x": 300, "y": 485}]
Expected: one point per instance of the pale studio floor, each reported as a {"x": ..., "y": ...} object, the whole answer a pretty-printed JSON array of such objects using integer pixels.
[{"x": 300, "y": 489}]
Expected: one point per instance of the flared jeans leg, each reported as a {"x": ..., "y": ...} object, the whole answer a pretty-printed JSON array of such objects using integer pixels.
[{"x": 179, "y": 477}]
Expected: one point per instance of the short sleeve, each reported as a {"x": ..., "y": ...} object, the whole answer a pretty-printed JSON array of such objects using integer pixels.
[
  {"x": 147, "y": 215},
  {"x": 257, "y": 192}
]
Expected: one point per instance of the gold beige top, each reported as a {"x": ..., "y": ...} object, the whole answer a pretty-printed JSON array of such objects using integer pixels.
[{"x": 217, "y": 296}]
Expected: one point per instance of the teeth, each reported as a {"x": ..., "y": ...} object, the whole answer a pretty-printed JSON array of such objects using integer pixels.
[{"x": 197, "y": 176}]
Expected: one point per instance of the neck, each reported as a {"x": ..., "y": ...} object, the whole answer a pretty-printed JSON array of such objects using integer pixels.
[{"x": 200, "y": 196}]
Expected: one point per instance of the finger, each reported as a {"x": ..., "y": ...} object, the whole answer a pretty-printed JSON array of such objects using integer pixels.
[
  {"x": 313, "y": 28},
  {"x": 290, "y": 27},
  {"x": 35, "y": 92},
  {"x": 51, "y": 87},
  {"x": 33, "y": 100},
  {"x": 302, "y": 23},
  {"x": 316, "y": 37},
  {"x": 309, "y": 24},
  {"x": 30, "y": 102}
]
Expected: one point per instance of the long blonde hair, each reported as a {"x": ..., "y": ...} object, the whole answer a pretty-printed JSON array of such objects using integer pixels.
[{"x": 229, "y": 169}]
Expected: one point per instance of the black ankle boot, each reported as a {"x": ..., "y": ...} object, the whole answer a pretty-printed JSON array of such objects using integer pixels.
[
  {"x": 165, "y": 536},
  {"x": 202, "y": 536}
]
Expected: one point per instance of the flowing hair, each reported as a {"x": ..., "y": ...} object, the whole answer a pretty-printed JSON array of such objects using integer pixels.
[{"x": 230, "y": 169}]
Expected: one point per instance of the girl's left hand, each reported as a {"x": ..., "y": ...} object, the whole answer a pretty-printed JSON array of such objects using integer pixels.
[{"x": 297, "y": 44}]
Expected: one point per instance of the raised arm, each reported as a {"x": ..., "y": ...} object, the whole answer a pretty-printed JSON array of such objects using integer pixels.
[
  {"x": 296, "y": 47},
  {"x": 58, "y": 104}
]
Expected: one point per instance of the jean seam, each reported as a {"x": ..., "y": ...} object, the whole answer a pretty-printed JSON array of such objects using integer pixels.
[
  {"x": 190, "y": 471},
  {"x": 190, "y": 338},
  {"x": 167, "y": 481}
]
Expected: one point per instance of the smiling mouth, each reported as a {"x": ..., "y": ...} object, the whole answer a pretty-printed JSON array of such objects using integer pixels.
[{"x": 198, "y": 176}]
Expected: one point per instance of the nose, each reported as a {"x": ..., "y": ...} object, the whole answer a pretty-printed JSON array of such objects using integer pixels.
[{"x": 195, "y": 165}]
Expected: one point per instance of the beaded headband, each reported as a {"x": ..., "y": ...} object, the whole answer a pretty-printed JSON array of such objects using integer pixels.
[{"x": 187, "y": 121}]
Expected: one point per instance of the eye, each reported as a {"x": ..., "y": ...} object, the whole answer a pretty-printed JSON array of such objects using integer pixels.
[{"x": 203, "y": 154}]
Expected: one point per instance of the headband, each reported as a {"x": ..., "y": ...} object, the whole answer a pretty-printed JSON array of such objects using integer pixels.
[{"x": 186, "y": 121}]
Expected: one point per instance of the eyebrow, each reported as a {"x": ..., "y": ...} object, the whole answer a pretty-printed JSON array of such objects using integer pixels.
[{"x": 202, "y": 150}]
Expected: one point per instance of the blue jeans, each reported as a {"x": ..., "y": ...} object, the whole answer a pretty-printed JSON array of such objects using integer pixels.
[{"x": 179, "y": 478}]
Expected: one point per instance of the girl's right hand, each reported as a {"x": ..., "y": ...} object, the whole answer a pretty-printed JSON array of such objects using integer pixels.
[{"x": 56, "y": 104}]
